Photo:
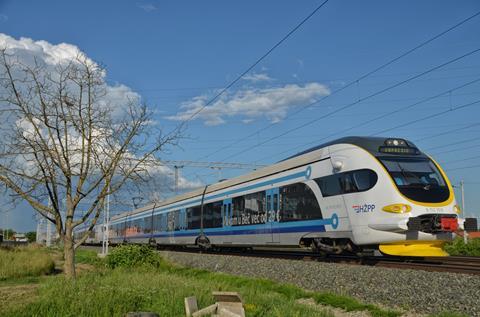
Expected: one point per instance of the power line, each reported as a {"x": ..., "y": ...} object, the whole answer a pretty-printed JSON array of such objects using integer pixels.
[
  {"x": 462, "y": 168},
  {"x": 254, "y": 64},
  {"x": 278, "y": 82},
  {"x": 454, "y": 143},
  {"x": 457, "y": 150},
  {"x": 353, "y": 82},
  {"x": 462, "y": 160},
  {"x": 449, "y": 131},
  {"x": 428, "y": 117},
  {"x": 402, "y": 109},
  {"x": 356, "y": 102}
]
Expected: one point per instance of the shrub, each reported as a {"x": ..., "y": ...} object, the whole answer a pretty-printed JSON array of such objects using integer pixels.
[
  {"x": 133, "y": 256},
  {"x": 458, "y": 247}
]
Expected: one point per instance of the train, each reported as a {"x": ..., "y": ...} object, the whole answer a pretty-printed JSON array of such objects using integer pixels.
[{"x": 354, "y": 195}]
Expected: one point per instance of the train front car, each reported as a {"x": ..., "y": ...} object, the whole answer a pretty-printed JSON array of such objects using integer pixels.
[{"x": 407, "y": 207}]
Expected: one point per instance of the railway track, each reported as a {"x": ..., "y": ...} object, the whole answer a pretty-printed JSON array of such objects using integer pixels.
[{"x": 452, "y": 264}]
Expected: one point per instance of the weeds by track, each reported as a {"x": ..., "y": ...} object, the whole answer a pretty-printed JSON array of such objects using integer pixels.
[{"x": 452, "y": 264}]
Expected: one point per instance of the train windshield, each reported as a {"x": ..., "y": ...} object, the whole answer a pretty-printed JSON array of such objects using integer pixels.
[{"x": 417, "y": 178}]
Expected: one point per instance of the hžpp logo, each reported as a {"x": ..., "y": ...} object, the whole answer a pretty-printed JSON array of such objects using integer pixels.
[{"x": 363, "y": 208}]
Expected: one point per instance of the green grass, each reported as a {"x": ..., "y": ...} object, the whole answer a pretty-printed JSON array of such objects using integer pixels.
[
  {"x": 458, "y": 247},
  {"x": 20, "y": 262},
  {"x": 162, "y": 289},
  {"x": 85, "y": 256}
]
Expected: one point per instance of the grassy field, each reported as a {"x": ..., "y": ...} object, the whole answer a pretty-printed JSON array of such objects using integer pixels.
[
  {"x": 24, "y": 262},
  {"x": 115, "y": 286}
]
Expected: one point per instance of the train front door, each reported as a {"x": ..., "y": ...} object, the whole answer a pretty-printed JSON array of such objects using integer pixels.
[
  {"x": 273, "y": 213},
  {"x": 227, "y": 220}
]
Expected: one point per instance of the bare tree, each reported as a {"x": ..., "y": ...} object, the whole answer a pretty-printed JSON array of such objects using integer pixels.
[{"x": 63, "y": 144}]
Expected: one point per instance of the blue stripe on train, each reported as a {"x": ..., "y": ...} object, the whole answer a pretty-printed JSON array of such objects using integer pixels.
[
  {"x": 269, "y": 228},
  {"x": 209, "y": 197}
]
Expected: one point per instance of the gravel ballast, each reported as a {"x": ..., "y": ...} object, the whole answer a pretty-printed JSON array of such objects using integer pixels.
[{"x": 420, "y": 291}]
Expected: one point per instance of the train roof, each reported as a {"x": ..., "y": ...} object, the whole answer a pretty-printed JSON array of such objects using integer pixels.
[
  {"x": 313, "y": 154},
  {"x": 371, "y": 144}
]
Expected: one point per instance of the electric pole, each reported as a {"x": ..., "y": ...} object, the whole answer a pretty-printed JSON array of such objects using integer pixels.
[{"x": 462, "y": 191}]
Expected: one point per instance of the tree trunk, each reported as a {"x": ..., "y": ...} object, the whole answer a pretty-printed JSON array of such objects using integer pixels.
[{"x": 69, "y": 256}]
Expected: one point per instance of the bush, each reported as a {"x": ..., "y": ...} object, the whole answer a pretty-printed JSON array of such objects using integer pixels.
[
  {"x": 458, "y": 247},
  {"x": 133, "y": 256},
  {"x": 25, "y": 261}
]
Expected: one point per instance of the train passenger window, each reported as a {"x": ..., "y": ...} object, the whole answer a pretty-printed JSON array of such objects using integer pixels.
[
  {"x": 147, "y": 224},
  {"x": 193, "y": 216},
  {"x": 298, "y": 202},
  {"x": 249, "y": 209},
  {"x": 176, "y": 220},
  {"x": 275, "y": 202},
  {"x": 212, "y": 215}
]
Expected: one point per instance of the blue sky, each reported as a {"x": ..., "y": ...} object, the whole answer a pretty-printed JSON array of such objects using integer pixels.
[{"x": 178, "y": 54}]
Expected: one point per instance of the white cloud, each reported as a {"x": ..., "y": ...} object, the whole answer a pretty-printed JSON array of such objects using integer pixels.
[
  {"x": 28, "y": 51},
  {"x": 147, "y": 7},
  {"x": 257, "y": 77},
  {"x": 249, "y": 104}
]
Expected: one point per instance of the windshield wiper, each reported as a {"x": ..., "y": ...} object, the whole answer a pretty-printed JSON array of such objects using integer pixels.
[{"x": 420, "y": 182}]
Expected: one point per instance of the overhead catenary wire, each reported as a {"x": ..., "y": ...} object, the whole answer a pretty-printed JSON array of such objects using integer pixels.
[
  {"x": 387, "y": 114},
  {"x": 463, "y": 167},
  {"x": 462, "y": 160},
  {"x": 427, "y": 117},
  {"x": 355, "y": 102},
  {"x": 252, "y": 66},
  {"x": 449, "y": 131},
  {"x": 353, "y": 82}
]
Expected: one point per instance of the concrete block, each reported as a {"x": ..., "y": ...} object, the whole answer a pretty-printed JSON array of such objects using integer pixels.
[
  {"x": 207, "y": 311},
  {"x": 191, "y": 305}
]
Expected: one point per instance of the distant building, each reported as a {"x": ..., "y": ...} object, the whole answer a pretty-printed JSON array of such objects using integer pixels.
[{"x": 20, "y": 237}]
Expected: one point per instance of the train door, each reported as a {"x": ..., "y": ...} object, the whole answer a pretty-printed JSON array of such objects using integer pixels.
[
  {"x": 227, "y": 220},
  {"x": 333, "y": 204},
  {"x": 273, "y": 213}
]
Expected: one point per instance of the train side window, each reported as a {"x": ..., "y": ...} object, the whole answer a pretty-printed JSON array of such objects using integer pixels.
[
  {"x": 193, "y": 216},
  {"x": 212, "y": 215},
  {"x": 364, "y": 179},
  {"x": 238, "y": 207},
  {"x": 347, "y": 182},
  {"x": 298, "y": 202},
  {"x": 348, "y": 186},
  {"x": 147, "y": 224},
  {"x": 249, "y": 209},
  {"x": 176, "y": 220},
  {"x": 275, "y": 202},
  {"x": 329, "y": 185}
]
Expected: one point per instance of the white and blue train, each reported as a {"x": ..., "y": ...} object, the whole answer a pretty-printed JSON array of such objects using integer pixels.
[{"x": 355, "y": 194}]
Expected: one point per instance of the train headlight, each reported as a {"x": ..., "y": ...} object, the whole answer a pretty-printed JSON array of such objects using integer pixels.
[
  {"x": 398, "y": 208},
  {"x": 457, "y": 209}
]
